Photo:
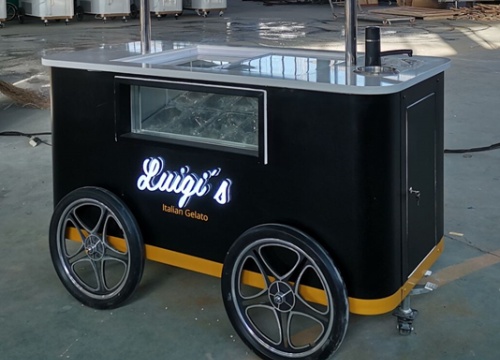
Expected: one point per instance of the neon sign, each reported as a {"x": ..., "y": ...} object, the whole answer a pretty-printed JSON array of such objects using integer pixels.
[{"x": 183, "y": 182}]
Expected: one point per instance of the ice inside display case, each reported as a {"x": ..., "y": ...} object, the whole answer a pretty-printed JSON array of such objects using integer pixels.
[{"x": 217, "y": 116}]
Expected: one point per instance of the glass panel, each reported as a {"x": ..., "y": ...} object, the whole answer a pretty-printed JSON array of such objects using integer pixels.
[{"x": 213, "y": 118}]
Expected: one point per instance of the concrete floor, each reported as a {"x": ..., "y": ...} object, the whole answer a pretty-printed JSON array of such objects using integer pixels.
[{"x": 177, "y": 314}]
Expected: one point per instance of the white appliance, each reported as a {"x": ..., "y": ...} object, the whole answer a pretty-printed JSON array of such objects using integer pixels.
[
  {"x": 3, "y": 12},
  {"x": 164, "y": 7},
  {"x": 47, "y": 9},
  {"x": 203, "y": 7},
  {"x": 106, "y": 8}
]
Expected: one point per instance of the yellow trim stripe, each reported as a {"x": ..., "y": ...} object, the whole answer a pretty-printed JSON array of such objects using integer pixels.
[
  {"x": 213, "y": 268},
  {"x": 184, "y": 261},
  {"x": 385, "y": 305}
]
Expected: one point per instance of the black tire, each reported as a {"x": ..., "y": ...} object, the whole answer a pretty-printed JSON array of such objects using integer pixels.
[
  {"x": 278, "y": 320},
  {"x": 104, "y": 266},
  {"x": 134, "y": 11},
  {"x": 79, "y": 13},
  {"x": 11, "y": 12}
]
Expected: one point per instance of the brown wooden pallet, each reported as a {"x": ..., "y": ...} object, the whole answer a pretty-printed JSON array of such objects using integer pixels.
[{"x": 417, "y": 12}]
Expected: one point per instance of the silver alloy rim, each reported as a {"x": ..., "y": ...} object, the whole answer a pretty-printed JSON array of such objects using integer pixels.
[{"x": 106, "y": 267}]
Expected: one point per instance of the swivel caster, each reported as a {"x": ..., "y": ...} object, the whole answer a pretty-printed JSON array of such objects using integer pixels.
[
  {"x": 20, "y": 15},
  {"x": 405, "y": 316}
]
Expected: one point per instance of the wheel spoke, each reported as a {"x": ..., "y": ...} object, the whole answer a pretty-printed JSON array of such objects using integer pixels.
[
  {"x": 266, "y": 272},
  {"x": 98, "y": 268},
  {"x": 261, "y": 299},
  {"x": 304, "y": 309},
  {"x": 83, "y": 279},
  {"x": 79, "y": 254},
  {"x": 105, "y": 239},
  {"x": 296, "y": 270},
  {"x": 289, "y": 275},
  {"x": 303, "y": 303},
  {"x": 284, "y": 326},
  {"x": 108, "y": 283},
  {"x": 78, "y": 261},
  {"x": 102, "y": 216},
  {"x": 79, "y": 225}
]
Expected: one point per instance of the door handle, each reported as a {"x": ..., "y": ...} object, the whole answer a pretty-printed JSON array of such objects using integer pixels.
[{"x": 416, "y": 193}]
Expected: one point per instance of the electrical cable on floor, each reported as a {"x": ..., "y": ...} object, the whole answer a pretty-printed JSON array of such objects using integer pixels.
[
  {"x": 478, "y": 149},
  {"x": 34, "y": 139}
]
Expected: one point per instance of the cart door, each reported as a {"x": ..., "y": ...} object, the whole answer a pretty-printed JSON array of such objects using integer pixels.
[{"x": 421, "y": 186}]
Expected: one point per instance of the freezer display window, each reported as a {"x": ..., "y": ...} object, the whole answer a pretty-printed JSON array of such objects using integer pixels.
[{"x": 222, "y": 117}]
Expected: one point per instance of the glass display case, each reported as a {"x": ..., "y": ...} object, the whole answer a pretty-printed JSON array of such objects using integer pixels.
[{"x": 201, "y": 114}]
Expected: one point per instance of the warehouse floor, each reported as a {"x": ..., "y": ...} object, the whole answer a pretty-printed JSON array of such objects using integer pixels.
[{"x": 177, "y": 314}]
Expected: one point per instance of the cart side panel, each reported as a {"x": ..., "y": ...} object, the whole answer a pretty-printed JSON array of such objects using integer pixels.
[
  {"x": 345, "y": 150},
  {"x": 423, "y": 114},
  {"x": 84, "y": 150},
  {"x": 334, "y": 171}
]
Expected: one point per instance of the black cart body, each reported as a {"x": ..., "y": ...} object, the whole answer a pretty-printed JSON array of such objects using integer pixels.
[{"x": 354, "y": 160}]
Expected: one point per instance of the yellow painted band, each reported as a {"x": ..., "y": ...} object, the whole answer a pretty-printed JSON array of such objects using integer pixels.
[
  {"x": 385, "y": 305},
  {"x": 213, "y": 268}
]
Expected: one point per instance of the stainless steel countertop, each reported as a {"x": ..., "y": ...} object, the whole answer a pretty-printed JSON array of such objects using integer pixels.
[{"x": 260, "y": 66}]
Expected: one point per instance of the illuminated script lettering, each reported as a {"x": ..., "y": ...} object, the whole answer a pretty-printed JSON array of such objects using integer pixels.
[{"x": 183, "y": 182}]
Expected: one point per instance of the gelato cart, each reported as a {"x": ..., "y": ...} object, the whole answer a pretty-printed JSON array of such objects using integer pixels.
[
  {"x": 105, "y": 9},
  {"x": 311, "y": 187},
  {"x": 166, "y": 7},
  {"x": 3, "y": 12},
  {"x": 203, "y": 7},
  {"x": 46, "y": 10}
]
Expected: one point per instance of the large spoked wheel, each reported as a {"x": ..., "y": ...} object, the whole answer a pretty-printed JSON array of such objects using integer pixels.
[
  {"x": 283, "y": 294},
  {"x": 11, "y": 11},
  {"x": 96, "y": 247}
]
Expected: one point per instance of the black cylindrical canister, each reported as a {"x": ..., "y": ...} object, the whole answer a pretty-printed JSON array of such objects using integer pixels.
[{"x": 372, "y": 46}]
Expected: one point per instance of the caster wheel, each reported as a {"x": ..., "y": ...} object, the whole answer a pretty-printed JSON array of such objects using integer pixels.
[
  {"x": 20, "y": 15},
  {"x": 79, "y": 13},
  {"x": 96, "y": 247},
  {"x": 134, "y": 11},
  {"x": 405, "y": 329},
  {"x": 268, "y": 277}
]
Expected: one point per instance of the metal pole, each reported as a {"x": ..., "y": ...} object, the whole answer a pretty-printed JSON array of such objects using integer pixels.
[
  {"x": 351, "y": 30},
  {"x": 145, "y": 27}
]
